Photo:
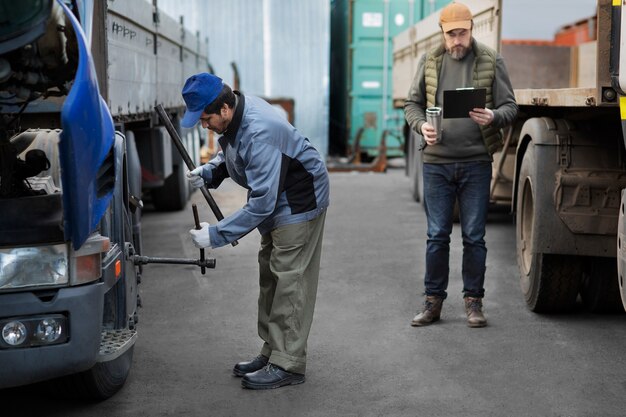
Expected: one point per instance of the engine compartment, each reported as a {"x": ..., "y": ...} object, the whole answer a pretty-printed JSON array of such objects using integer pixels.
[{"x": 30, "y": 73}]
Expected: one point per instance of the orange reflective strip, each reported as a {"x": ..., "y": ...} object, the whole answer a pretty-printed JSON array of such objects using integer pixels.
[{"x": 118, "y": 268}]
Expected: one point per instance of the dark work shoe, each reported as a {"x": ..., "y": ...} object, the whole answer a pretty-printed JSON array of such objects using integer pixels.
[
  {"x": 254, "y": 365},
  {"x": 271, "y": 376}
]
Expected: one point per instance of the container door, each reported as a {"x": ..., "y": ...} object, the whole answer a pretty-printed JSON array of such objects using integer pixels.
[{"x": 374, "y": 25}]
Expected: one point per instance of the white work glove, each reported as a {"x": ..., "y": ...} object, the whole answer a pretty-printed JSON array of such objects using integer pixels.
[
  {"x": 201, "y": 236},
  {"x": 195, "y": 178}
]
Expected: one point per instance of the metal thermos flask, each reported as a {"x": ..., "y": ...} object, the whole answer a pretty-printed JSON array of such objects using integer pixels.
[{"x": 433, "y": 117}]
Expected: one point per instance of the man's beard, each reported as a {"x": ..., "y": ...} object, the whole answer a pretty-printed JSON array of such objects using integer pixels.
[{"x": 458, "y": 52}]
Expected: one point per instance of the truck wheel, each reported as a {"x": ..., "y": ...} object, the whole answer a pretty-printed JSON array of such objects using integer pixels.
[
  {"x": 415, "y": 170},
  {"x": 621, "y": 249},
  {"x": 600, "y": 290},
  {"x": 96, "y": 384},
  {"x": 549, "y": 282},
  {"x": 174, "y": 193}
]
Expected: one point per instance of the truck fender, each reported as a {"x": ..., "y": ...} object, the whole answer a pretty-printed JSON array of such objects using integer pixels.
[
  {"x": 530, "y": 129},
  {"x": 134, "y": 166},
  {"x": 559, "y": 148},
  {"x": 538, "y": 131}
]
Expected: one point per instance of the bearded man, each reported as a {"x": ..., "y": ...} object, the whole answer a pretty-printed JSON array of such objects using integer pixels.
[{"x": 457, "y": 162}]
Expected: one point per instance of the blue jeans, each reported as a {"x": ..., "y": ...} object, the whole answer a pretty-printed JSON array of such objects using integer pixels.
[{"x": 467, "y": 182}]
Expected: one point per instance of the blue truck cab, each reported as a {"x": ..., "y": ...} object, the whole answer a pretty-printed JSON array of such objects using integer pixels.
[{"x": 73, "y": 167}]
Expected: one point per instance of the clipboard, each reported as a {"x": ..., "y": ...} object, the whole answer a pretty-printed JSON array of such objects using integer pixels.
[{"x": 458, "y": 103}]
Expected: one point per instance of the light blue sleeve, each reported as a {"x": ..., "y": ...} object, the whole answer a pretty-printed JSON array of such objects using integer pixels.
[{"x": 263, "y": 169}]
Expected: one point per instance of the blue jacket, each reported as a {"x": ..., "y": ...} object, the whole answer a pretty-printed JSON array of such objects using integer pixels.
[{"x": 286, "y": 178}]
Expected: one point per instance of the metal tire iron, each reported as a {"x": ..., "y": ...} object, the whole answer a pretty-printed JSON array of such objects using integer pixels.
[
  {"x": 183, "y": 153},
  {"x": 203, "y": 263}
]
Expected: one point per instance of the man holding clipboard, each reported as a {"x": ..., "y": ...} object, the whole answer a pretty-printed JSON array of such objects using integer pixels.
[{"x": 470, "y": 82}]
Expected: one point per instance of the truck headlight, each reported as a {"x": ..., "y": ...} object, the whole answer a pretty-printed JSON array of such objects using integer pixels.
[
  {"x": 14, "y": 333},
  {"x": 33, "y": 266},
  {"x": 22, "y": 332},
  {"x": 49, "y": 330}
]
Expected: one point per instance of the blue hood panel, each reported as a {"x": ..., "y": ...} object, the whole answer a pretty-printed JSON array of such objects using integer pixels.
[{"x": 87, "y": 137}]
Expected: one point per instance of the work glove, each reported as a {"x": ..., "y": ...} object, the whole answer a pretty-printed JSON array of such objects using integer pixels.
[
  {"x": 195, "y": 177},
  {"x": 201, "y": 236}
]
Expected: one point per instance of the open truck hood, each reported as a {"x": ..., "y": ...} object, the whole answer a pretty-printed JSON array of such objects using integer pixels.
[{"x": 86, "y": 142}]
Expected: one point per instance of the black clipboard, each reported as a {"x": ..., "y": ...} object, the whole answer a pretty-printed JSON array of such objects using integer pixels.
[{"x": 458, "y": 103}]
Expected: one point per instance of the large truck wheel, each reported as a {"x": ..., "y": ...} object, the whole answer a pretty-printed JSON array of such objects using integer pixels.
[
  {"x": 600, "y": 291},
  {"x": 174, "y": 193},
  {"x": 550, "y": 282},
  {"x": 415, "y": 168},
  {"x": 96, "y": 384},
  {"x": 621, "y": 249}
]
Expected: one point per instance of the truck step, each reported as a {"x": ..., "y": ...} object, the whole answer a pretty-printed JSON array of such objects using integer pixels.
[{"x": 114, "y": 343}]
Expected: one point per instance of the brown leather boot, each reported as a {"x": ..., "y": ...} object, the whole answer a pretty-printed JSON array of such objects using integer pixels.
[
  {"x": 430, "y": 313},
  {"x": 474, "y": 311}
]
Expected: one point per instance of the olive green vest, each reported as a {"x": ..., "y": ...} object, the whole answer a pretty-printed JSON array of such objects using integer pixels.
[{"x": 484, "y": 74}]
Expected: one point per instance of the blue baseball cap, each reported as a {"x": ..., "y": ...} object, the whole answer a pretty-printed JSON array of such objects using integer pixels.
[{"x": 199, "y": 91}]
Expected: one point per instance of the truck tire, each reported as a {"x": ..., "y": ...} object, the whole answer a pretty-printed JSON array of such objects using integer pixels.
[
  {"x": 599, "y": 291},
  {"x": 174, "y": 193},
  {"x": 106, "y": 378},
  {"x": 621, "y": 249},
  {"x": 96, "y": 384},
  {"x": 549, "y": 282},
  {"x": 415, "y": 169}
]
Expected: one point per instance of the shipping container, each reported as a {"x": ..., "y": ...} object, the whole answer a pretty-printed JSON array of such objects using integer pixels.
[{"x": 371, "y": 26}]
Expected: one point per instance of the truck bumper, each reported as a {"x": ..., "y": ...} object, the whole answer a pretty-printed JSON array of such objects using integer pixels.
[{"x": 83, "y": 308}]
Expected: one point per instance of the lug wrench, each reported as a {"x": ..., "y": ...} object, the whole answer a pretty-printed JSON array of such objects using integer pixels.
[
  {"x": 144, "y": 260},
  {"x": 196, "y": 219},
  {"x": 183, "y": 153}
]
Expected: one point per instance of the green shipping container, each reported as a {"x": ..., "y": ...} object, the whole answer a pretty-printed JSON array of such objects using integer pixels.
[{"x": 372, "y": 26}]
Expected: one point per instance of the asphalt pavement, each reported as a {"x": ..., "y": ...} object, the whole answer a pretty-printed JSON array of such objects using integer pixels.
[{"x": 364, "y": 357}]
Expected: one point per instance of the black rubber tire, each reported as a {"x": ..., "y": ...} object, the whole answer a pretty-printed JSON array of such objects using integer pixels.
[
  {"x": 552, "y": 284},
  {"x": 600, "y": 290},
  {"x": 106, "y": 378},
  {"x": 415, "y": 171},
  {"x": 549, "y": 282},
  {"x": 96, "y": 384},
  {"x": 174, "y": 193},
  {"x": 621, "y": 257}
]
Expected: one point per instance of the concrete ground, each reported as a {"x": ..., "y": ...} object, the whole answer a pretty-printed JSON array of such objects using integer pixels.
[{"x": 364, "y": 357}]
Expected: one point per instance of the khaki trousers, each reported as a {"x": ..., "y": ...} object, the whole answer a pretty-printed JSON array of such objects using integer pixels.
[{"x": 289, "y": 264}]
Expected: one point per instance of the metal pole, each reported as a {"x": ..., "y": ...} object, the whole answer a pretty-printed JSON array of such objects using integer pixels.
[
  {"x": 183, "y": 153},
  {"x": 196, "y": 220}
]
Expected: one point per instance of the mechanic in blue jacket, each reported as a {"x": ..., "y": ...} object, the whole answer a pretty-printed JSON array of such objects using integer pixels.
[{"x": 288, "y": 190}]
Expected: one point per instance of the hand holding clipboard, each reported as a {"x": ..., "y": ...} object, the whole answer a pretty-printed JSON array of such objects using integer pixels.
[{"x": 460, "y": 103}]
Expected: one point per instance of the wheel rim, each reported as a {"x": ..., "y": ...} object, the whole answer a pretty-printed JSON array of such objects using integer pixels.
[{"x": 526, "y": 233}]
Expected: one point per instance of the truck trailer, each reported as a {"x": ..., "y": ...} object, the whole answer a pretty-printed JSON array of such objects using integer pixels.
[
  {"x": 79, "y": 141},
  {"x": 562, "y": 166}
]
